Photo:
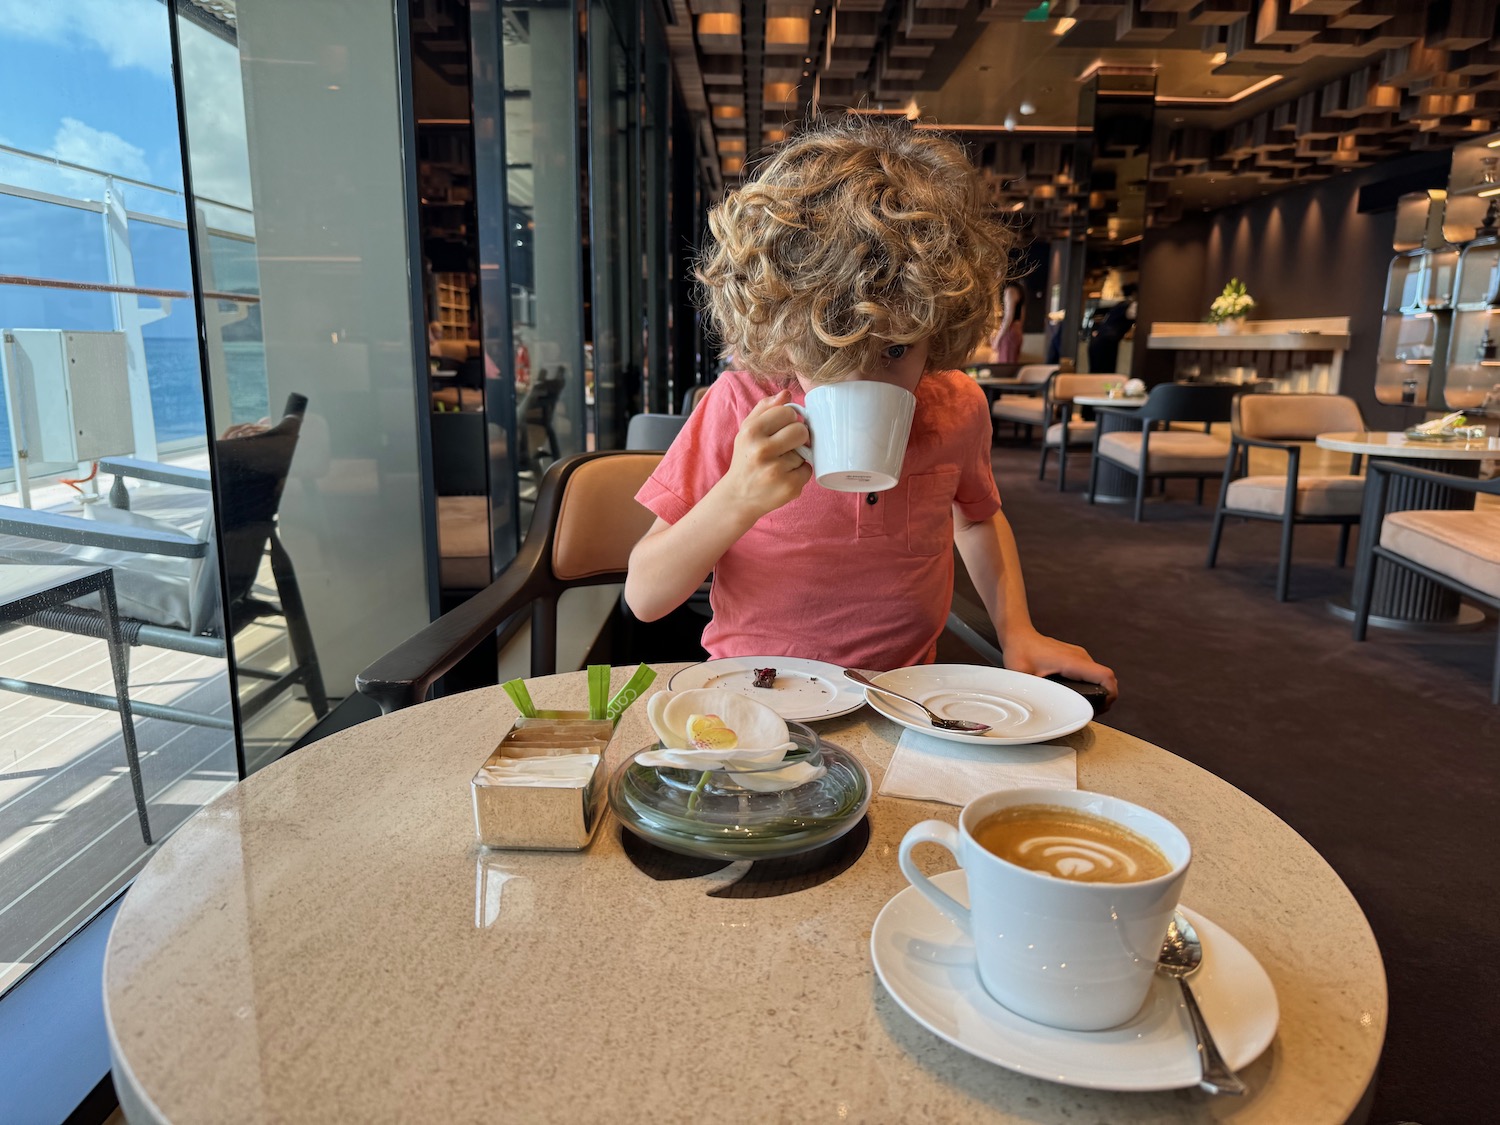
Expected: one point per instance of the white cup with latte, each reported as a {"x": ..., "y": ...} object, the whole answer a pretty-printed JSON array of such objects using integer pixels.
[
  {"x": 1070, "y": 894},
  {"x": 859, "y": 430}
]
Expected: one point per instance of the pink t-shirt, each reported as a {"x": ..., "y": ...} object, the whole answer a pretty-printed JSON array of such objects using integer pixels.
[{"x": 832, "y": 576}]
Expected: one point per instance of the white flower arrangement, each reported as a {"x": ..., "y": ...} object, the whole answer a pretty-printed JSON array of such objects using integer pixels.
[{"x": 1232, "y": 304}]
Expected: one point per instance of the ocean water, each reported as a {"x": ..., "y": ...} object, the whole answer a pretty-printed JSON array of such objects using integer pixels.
[{"x": 177, "y": 389}]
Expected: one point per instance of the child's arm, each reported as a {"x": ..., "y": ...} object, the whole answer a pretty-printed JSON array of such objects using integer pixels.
[
  {"x": 988, "y": 549},
  {"x": 673, "y": 559}
]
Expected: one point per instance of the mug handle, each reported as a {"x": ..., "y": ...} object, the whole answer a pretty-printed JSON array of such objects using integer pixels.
[
  {"x": 802, "y": 451},
  {"x": 944, "y": 836}
]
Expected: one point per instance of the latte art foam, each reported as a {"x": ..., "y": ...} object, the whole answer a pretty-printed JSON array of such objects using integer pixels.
[
  {"x": 1079, "y": 858},
  {"x": 1068, "y": 844}
]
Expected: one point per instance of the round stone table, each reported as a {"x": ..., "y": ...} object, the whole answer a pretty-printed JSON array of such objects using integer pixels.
[
  {"x": 327, "y": 943},
  {"x": 1401, "y": 598}
]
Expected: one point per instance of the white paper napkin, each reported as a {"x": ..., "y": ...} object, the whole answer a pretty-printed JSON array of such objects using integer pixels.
[{"x": 925, "y": 768}]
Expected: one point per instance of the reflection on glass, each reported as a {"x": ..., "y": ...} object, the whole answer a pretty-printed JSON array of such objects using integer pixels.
[
  {"x": 307, "y": 321},
  {"x": 1119, "y": 109},
  {"x": 613, "y": 177},
  {"x": 103, "y": 469},
  {"x": 539, "y": 293}
]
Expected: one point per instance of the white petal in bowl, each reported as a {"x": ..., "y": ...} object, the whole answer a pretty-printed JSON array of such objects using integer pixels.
[
  {"x": 754, "y": 724},
  {"x": 713, "y": 759},
  {"x": 773, "y": 781},
  {"x": 665, "y": 733}
]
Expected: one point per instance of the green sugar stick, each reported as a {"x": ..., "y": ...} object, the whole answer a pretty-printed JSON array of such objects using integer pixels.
[
  {"x": 598, "y": 690},
  {"x": 639, "y": 681},
  {"x": 516, "y": 689}
]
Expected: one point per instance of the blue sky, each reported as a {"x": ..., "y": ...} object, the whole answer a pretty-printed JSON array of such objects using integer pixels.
[{"x": 90, "y": 81}]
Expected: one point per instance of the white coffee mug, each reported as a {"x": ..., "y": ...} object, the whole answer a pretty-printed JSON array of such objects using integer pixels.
[
  {"x": 1069, "y": 954},
  {"x": 859, "y": 431}
]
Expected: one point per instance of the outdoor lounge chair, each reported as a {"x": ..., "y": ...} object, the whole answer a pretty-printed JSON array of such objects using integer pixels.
[{"x": 167, "y": 579}]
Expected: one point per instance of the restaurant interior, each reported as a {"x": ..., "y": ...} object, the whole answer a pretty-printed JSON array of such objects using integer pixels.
[{"x": 347, "y": 350}]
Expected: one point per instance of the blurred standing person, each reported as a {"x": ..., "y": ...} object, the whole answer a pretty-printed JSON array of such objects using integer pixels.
[
  {"x": 1006, "y": 342},
  {"x": 1110, "y": 325}
]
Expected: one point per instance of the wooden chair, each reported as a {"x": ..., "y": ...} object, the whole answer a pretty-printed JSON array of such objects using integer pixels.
[
  {"x": 1153, "y": 453},
  {"x": 1456, "y": 549},
  {"x": 1063, "y": 430},
  {"x": 1279, "y": 422}
]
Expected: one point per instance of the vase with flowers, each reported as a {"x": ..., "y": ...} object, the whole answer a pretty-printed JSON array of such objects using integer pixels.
[{"x": 1229, "y": 307}]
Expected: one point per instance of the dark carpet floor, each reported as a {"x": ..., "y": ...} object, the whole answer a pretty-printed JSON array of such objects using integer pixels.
[{"x": 1382, "y": 755}]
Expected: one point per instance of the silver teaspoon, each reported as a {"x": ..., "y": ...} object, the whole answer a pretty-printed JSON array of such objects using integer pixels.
[
  {"x": 932, "y": 717},
  {"x": 1181, "y": 954}
]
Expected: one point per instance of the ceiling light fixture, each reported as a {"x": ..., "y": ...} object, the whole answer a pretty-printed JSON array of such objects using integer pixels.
[
  {"x": 1064, "y": 25},
  {"x": 1027, "y": 109},
  {"x": 1264, "y": 83},
  {"x": 1098, "y": 66},
  {"x": 1010, "y": 122}
]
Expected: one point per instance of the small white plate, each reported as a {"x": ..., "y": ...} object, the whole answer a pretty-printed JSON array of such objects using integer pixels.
[
  {"x": 805, "y": 690},
  {"x": 1019, "y": 708},
  {"x": 927, "y": 964}
]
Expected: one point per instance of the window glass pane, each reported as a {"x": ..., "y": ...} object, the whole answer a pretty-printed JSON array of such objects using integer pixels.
[
  {"x": 160, "y": 254},
  {"x": 542, "y": 242},
  {"x": 610, "y": 204},
  {"x": 90, "y": 154},
  {"x": 307, "y": 321},
  {"x": 39, "y": 239}
]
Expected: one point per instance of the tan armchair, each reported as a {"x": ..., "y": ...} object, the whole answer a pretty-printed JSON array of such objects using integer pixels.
[
  {"x": 1457, "y": 549},
  {"x": 1157, "y": 451},
  {"x": 1063, "y": 429},
  {"x": 1028, "y": 411},
  {"x": 1279, "y": 422}
]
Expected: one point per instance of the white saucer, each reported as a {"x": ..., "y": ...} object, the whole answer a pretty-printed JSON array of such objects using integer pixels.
[
  {"x": 927, "y": 965},
  {"x": 1019, "y": 708},
  {"x": 804, "y": 691}
]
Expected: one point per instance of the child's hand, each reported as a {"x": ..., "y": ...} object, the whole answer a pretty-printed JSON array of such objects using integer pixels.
[
  {"x": 1045, "y": 656},
  {"x": 767, "y": 471}
]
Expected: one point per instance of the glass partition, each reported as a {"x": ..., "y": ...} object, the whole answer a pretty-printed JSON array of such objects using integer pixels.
[
  {"x": 297, "y": 138},
  {"x": 613, "y": 229},
  {"x": 530, "y": 233},
  {"x": 104, "y": 436}
]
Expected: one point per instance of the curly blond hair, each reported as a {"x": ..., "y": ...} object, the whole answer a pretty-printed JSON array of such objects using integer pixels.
[{"x": 853, "y": 237}]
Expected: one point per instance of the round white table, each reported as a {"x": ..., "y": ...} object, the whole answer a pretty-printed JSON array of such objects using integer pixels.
[
  {"x": 1401, "y": 598},
  {"x": 1114, "y": 485},
  {"x": 327, "y": 943}
]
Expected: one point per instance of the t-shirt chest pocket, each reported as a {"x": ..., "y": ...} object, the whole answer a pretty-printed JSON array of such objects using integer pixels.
[{"x": 929, "y": 512}]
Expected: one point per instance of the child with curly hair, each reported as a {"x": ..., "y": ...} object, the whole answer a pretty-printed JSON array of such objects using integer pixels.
[{"x": 859, "y": 251}]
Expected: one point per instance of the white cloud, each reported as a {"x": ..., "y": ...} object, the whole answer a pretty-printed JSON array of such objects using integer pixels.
[
  {"x": 78, "y": 143},
  {"x": 215, "y": 103},
  {"x": 131, "y": 33}
]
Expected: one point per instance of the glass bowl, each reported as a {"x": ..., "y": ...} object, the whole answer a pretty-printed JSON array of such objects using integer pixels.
[{"x": 709, "y": 813}]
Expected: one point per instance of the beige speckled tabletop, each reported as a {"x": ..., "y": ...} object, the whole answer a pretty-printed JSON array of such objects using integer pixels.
[{"x": 327, "y": 943}]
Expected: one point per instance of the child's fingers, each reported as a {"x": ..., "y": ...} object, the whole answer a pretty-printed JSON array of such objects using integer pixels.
[{"x": 780, "y": 398}]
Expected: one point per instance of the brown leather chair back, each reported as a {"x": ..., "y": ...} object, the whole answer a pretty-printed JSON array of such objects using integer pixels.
[
  {"x": 598, "y": 520},
  {"x": 1274, "y": 417},
  {"x": 1066, "y": 387}
]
